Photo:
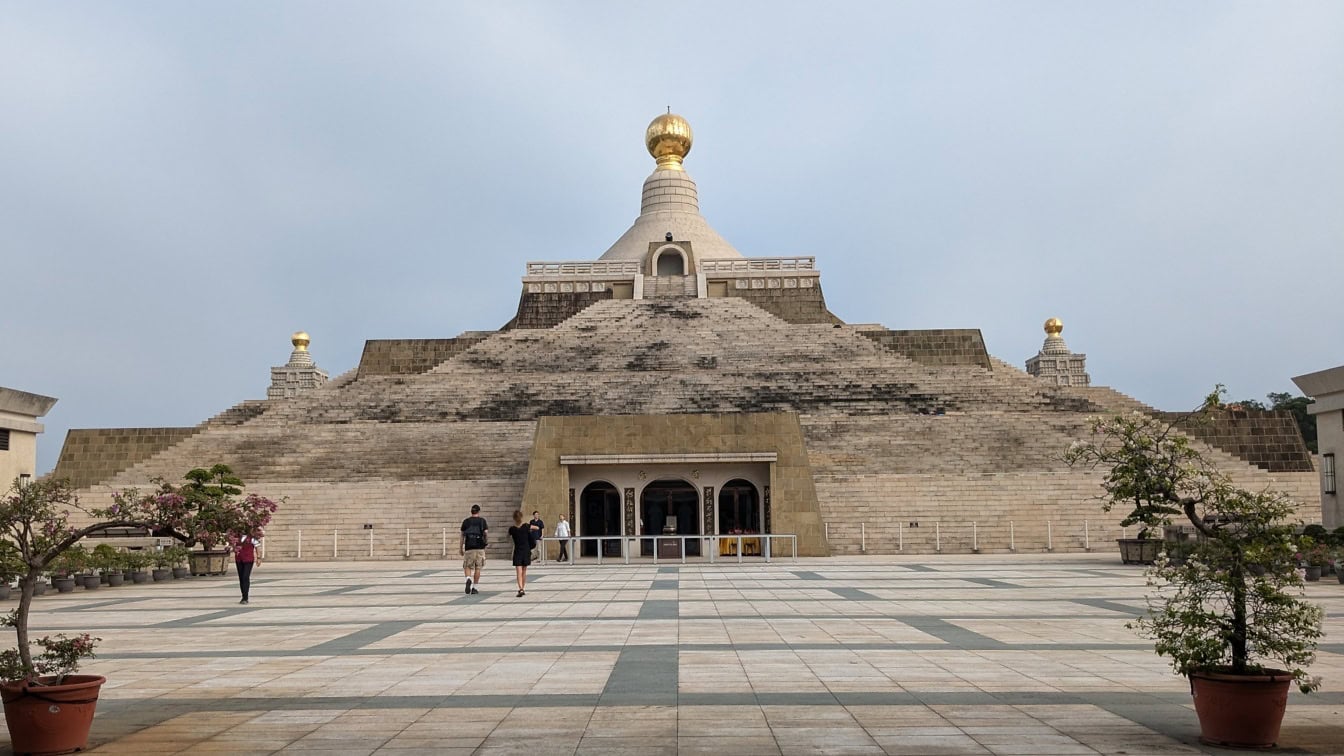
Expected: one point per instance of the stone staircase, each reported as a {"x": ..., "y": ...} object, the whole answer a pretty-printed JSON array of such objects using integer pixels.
[
  {"x": 669, "y": 287},
  {"x": 890, "y": 441}
]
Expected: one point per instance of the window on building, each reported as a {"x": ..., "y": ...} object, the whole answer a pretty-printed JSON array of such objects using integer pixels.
[
  {"x": 1328, "y": 473},
  {"x": 4, "y": 439}
]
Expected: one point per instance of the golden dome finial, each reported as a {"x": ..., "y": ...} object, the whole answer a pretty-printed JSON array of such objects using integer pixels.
[
  {"x": 1053, "y": 327},
  {"x": 668, "y": 139},
  {"x": 300, "y": 341}
]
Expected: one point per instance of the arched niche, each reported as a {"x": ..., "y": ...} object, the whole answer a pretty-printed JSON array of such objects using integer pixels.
[
  {"x": 599, "y": 514},
  {"x": 669, "y": 504}
]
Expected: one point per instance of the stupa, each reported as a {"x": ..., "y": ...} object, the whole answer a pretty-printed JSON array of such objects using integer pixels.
[{"x": 669, "y": 384}]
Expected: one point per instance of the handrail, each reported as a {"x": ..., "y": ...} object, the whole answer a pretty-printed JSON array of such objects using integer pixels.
[
  {"x": 712, "y": 541},
  {"x": 584, "y": 267},
  {"x": 736, "y": 264}
]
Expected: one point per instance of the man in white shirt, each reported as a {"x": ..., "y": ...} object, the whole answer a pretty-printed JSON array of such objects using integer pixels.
[{"x": 562, "y": 531}]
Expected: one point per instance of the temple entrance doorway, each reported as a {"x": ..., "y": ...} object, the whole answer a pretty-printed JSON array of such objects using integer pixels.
[
  {"x": 669, "y": 507},
  {"x": 600, "y": 515},
  {"x": 671, "y": 264},
  {"x": 739, "y": 508}
]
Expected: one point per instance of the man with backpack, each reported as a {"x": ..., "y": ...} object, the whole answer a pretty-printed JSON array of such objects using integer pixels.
[{"x": 475, "y": 537}]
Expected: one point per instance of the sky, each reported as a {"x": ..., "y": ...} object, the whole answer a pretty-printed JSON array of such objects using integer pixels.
[{"x": 184, "y": 185}]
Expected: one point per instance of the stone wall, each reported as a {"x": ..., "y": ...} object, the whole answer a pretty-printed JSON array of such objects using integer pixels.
[
  {"x": 545, "y": 309},
  {"x": 802, "y": 305},
  {"x": 93, "y": 455},
  {"x": 410, "y": 356},
  {"x": 1268, "y": 439},
  {"x": 938, "y": 347}
]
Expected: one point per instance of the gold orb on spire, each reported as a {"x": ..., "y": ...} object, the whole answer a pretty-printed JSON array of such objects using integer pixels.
[
  {"x": 1053, "y": 327},
  {"x": 668, "y": 139},
  {"x": 300, "y": 341}
]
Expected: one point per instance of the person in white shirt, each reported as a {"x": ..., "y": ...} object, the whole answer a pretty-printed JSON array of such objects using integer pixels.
[{"x": 562, "y": 531}]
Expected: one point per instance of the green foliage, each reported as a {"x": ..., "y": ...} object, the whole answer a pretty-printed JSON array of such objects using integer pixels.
[
  {"x": 1139, "y": 452},
  {"x": 1235, "y": 603},
  {"x": 11, "y": 562},
  {"x": 176, "y": 556},
  {"x": 106, "y": 558},
  {"x": 71, "y": 562}
]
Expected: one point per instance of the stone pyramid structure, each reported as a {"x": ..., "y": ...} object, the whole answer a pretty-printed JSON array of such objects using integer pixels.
[{"x": 673, "y": 386}]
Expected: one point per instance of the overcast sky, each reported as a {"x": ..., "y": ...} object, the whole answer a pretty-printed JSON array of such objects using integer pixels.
[{"x": 183, "y": 185}]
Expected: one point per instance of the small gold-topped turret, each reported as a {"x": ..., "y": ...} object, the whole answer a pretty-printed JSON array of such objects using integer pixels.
[
  {"x": 300, "y": 341},
  {"x": 668, "y": 139},
  {"x": 1053, "y": 327}
]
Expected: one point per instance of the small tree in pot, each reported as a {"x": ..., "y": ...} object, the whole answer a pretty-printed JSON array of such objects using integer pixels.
[
  {"x": 35, "y": 517},
  {"x": 1234, "y": 607}
]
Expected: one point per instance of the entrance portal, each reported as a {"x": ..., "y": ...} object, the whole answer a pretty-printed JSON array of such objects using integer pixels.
[
  {"x": 739, "y": 508},
  {"x": 600, "y": 515},
  {"x": 674, "y": 503}
]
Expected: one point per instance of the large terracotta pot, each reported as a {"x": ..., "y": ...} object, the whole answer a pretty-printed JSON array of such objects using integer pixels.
[
  {"x": 46, "y": 719},
  {"x": 1240, "y": 711}
]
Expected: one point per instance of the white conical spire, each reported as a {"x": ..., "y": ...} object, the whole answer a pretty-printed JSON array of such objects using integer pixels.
[{"x": 670, "y": 203}]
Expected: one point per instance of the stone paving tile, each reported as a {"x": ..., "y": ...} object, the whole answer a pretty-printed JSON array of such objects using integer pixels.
[{"x": 942, "y": 654}]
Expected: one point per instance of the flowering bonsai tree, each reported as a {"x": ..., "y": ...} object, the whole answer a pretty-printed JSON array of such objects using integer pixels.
[
  {"x": 1235, "y": 604},
  {"x": 36, "y": 518}
]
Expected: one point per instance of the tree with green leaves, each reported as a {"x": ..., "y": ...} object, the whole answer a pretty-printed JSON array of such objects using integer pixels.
[{"x": 1235, "y": 603}]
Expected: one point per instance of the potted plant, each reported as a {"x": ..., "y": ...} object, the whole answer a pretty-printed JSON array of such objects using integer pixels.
[
  {"x": 162, "y": 564},
  {"x": 1312, "y": 557},
  {"x": 109, "y": 561},
  {"x": 48, "y": 708},
  {"x": 139, "y": 563},
  {"x": 1337, "y": 559},
  {"x": 177, "y": 560},
  {"x": 66, "y": 567},
  {"x": 1241, "y": 638},
  {"x": 1125, "y": 484},
  {"x": 211, "y": 495}
]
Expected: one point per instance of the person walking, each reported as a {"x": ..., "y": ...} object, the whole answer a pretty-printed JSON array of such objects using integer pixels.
[
  {"x": 562, "y": 531},
  {"x": 538, "y": 530},
  {"x": 244, "y": 558},
  {"x": 475, "y": 537},
  {"x": 521, "y": 534}
]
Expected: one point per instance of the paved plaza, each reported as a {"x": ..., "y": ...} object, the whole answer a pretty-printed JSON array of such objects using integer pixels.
[{"x": 988, "y": 654}]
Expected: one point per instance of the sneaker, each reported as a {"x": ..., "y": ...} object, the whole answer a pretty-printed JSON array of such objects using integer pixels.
[
  {"x": 473, "y": 590},
  {"x": 468, "y": 590},
  {"x": 244, "y": 601}
]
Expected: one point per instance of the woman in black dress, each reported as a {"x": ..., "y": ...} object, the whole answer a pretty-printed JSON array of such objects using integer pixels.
[{"x": 521, "y": 533}]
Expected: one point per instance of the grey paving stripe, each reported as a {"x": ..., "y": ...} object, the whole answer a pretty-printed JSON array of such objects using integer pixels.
[
  {"x": 198, "y": 619},
  {"x": 94, "y": 605},
  {"x": 344, "y": 589},
  {"x": 990, "y": 582},
  {"x": 1111, "y": 606},
  {"x": 962, "y": 638},
  {"x": 643, "y": 676},
  {"x": 658, "y": 610},
  {"x": 916, "y": 568},
  {"x": 361, "y": 638},
  {"x": 801, "y": 575},
  {"x": 664, "y": 585},
  {"x": 669, "y": 570},
  {"x": 854, "y": 594}
]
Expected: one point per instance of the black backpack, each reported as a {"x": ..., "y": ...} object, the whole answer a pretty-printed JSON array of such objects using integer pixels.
[{"x": 475, "y": 534}]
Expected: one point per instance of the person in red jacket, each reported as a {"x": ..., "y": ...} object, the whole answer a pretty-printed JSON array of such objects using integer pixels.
[{"x": 244, "y": 557}]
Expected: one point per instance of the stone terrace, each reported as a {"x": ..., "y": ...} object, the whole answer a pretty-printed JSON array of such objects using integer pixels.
[{"x": 938, "y": 655}]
